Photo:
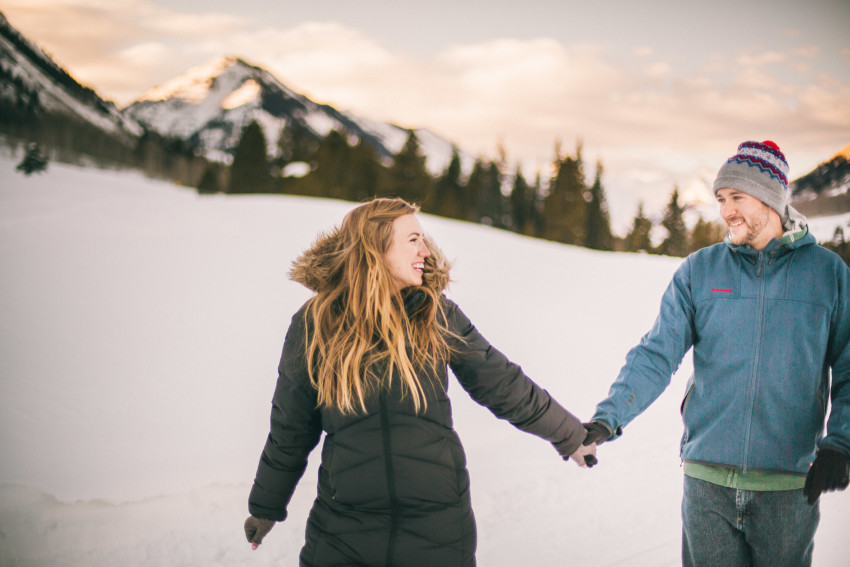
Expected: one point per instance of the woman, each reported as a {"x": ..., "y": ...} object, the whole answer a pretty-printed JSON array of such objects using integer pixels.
[{"x": 365, "y": 360}]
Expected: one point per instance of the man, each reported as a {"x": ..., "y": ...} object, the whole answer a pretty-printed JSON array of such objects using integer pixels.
[{"x": 767, "y": 313}]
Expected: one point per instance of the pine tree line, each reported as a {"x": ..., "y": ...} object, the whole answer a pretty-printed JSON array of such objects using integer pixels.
[
  {"x": 67, "y": 138},
  {"x": 678, "y": 239},
  {"x": 839, "y": 244},
  {"x": 563, "y": 208}
]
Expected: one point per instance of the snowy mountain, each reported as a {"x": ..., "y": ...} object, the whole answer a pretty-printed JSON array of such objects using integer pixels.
[
  {"x": 826, "y": 189},
  {"x": 31, "y": 83},
  {"x": 209, "y": 105}
]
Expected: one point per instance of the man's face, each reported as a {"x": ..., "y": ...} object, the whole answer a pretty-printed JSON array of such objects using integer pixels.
[{"x": 749, "y": 220}]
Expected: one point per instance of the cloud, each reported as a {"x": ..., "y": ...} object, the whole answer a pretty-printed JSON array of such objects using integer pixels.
[
  {"x": 807, "y": 51},
  {"x": 760, "y": 59},
  {"x": 658, "y": 70},
  {"x": 321, "y": 59},
  {"x": 642, "y": 51},
  {"x": 143, "y": 53},
  {"x": 119, "y": 16},
  {"x": 119, "y": 47},
  {"x": 655, "y": 118}
]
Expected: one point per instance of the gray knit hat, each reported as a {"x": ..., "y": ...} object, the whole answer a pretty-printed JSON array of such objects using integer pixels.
[{"x": 758, "y": 169}]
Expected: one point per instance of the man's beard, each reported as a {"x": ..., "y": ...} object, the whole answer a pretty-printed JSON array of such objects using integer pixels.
[{"x": 754, "y": 228}]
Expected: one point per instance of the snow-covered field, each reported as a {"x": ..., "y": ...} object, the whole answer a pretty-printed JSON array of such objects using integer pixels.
[{"x": 140, "y": 329}]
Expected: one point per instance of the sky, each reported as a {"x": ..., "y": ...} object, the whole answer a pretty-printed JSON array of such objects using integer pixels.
[{"x": 659, "y": 92}]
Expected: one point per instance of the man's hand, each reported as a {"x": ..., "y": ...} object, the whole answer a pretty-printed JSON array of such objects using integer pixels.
[
  {"x": 256, "y": 529},
  {"x": 597, "y": 432},
  {"x": 829, "y": 472},
  {"x": 585, "y": 456}
]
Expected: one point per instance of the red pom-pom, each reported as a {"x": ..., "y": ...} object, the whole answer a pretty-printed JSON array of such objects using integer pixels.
[{"x": 772, "y": 144}]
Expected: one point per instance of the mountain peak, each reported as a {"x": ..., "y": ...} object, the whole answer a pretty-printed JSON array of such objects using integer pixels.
[
  {"x": 844, "y": 152},
  {"x": 38, "y": 82},
  {"x": 193, "y": 85},
  {"x": 211, "y": 104}
]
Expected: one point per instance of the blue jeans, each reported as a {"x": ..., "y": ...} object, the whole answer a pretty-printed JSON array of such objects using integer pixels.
[{"x": 729, "y": 527}]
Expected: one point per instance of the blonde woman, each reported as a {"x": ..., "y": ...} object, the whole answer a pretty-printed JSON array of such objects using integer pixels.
[{"x": 365, "y": 360}]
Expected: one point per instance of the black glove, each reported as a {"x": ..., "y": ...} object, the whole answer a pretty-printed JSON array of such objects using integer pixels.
[
  {"x": 829, "y": 472},
  {"x": 596, "y": 433},
  {"x": 256, "y": 529}
]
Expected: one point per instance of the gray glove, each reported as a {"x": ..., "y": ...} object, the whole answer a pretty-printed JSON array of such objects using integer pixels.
[{"x": 256, "y": 529}]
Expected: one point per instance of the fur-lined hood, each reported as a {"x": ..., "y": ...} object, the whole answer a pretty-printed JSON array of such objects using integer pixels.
[{"x": 314, "y": 268}]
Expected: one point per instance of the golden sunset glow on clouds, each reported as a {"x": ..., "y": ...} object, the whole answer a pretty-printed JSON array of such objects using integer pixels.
[{"x": 660, "y": 95}]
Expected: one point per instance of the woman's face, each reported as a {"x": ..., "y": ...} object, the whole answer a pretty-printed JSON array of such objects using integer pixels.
[{"x": 407, "y": 253}]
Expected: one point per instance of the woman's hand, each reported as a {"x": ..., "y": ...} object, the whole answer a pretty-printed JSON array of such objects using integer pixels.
[
  {"x": 256, "y": 529},
  {"x": 585, "y": 456}
]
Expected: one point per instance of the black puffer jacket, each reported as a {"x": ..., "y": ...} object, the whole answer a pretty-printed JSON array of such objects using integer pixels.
[{"x": 393, "y": 484}]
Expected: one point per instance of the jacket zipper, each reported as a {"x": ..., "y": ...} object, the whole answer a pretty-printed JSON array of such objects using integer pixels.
[
  {"x": 760, "y": 269},
  {"x": 394, "y": 510}
]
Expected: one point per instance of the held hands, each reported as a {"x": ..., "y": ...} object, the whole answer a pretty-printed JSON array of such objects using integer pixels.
[
  {"x": 256, "y": 529},
  {"x": 585, "y": 456},
  {"x": 597, "y": 433},
  {"x": 829, "y": 472}
]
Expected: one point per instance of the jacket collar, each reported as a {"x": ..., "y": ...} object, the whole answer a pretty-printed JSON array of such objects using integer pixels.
[{"x": 778, "y": 246}]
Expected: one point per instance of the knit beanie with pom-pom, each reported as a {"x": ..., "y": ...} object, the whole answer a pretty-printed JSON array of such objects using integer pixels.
[{"x": 758, "y": 169}]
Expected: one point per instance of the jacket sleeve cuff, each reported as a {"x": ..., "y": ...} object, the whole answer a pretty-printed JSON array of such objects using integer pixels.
[{"x": 613, "y": 433}]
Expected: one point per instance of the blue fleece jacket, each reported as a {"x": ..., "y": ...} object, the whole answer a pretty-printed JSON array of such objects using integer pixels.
[{"x": 766, "y": 328}]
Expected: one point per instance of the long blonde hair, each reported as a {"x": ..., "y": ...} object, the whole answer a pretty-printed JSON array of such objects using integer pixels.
[{"x": 359, "y": 335}]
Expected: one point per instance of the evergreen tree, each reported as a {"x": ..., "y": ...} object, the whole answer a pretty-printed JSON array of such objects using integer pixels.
[
  {"x": 705, "y": 233},
  {"x": 564, "y": 206},
  {"x": 522, "y": 201},
  {"x": 491, "y": 203},
  {"x": 179, "y": 161},
  {"x": 150, "y": 153},
  {"x": 638, "y": 239},
  {"x": 34, "y": 161},
  {"x": 331, "y": 176},
  {"x": 250, "y": 170},
  {"x": 448, "y": 193},
  {"x": 676, "y": 243},
  {"x": 598, "y": 225},
  {"x": 366, "y": 173},
  {"x": 408, "y": 176},
  {"x": 839, "y": 244},
  {"x": 296, "y": 143},
  {"x": 475, "y": 187},
  {"x": 537, "y": 226},
  {"x": 210, "y": 182}
]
